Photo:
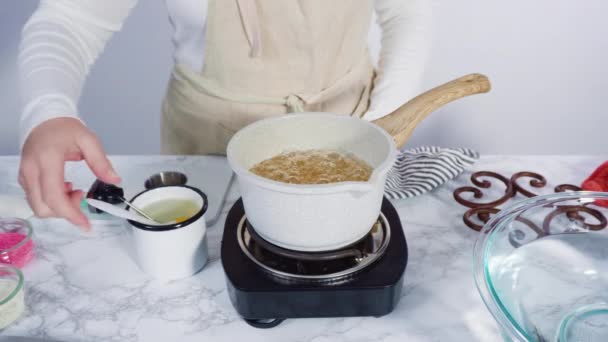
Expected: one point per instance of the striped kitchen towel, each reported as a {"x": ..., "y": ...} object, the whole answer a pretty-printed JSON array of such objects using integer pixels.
[{"x": 425, "y": 168}]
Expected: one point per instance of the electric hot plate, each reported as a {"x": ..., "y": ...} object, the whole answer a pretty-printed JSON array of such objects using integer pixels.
[{"x": 268, "y": 284}]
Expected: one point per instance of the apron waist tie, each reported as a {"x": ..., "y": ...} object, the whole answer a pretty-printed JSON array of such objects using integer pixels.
[
  {"x": 294, "y": 103},
  {"x": 191, "y": 80}
]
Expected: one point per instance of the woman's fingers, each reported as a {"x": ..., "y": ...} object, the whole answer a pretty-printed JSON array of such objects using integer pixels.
[
  {"x": 97, "y": 160},
  {"x": 54, "y": 194},
  {"x": 31, "y": 182},
  {"x": 44, "y": 153},
  {"x": 76, "y": 197},
  {"x": 28, "y": 178}
]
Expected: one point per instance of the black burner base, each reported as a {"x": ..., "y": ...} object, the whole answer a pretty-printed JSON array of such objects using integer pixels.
[{"x": 259, "y": 298}]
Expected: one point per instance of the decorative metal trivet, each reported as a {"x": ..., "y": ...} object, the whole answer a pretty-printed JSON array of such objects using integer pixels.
[{"x": 482, "y": 211}]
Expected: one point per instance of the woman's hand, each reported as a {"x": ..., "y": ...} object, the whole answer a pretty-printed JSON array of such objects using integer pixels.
[{"x": 41, "y": 173}]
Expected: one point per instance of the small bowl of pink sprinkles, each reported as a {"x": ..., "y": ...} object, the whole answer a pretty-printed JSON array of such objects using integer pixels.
[{"x": 16, "y": 244}]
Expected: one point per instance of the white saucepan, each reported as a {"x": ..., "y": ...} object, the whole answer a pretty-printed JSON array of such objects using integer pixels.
[{"x": 322, "y": 217}]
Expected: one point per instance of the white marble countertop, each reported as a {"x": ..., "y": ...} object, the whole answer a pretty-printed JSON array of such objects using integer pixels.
[{"x": 85, "y": 286}]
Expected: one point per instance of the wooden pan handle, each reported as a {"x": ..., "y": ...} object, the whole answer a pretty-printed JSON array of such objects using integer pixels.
[{"x": 402, "y": 122}]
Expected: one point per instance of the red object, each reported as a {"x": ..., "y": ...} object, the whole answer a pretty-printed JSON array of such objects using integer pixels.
[
  {"x": 598, "y": 181},
  {"x": 19, "y": 256}
]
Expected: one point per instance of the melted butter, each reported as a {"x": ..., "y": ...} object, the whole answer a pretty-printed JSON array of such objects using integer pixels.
[{"x": 171, "y": 210}]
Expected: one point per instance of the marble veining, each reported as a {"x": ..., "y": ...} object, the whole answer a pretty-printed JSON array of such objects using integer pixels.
[{"x": 85, "y": 286}]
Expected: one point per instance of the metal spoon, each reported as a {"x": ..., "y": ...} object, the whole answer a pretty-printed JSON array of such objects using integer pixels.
[
  {"x": 139, "y": 211},
  {"x": 119, "y": 212}
]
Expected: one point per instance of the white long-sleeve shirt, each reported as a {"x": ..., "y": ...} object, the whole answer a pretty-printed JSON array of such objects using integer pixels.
[{"x": 63, "y": 38}]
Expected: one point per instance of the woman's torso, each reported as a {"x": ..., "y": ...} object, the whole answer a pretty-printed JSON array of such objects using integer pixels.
[
  {"x": 264, "y": 59},
  {"x": 188, "y": 19}
]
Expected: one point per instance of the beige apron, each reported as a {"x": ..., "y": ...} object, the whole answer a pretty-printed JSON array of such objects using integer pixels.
[{"x": 267, "y": 58}]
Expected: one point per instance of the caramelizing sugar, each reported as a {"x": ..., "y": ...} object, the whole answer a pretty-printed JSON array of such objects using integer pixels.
[{"x": 313, "y": 167}]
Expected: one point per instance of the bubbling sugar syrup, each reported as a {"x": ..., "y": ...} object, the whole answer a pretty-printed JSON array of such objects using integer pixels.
[{"x": 314, "y": 167}]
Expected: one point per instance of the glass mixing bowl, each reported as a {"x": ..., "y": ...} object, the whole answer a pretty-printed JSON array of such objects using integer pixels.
[{"x": 541, "y": 267}]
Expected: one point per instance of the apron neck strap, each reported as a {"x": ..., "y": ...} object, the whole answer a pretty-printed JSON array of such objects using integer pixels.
[{"x": 249, "y": 17}]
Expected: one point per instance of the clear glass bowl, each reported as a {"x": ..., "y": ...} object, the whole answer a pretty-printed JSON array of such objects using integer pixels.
[
  {"x": 541, "y": 267},
  {"x": 12, "y": 298},
  {"x": 16, "y": 244}
]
